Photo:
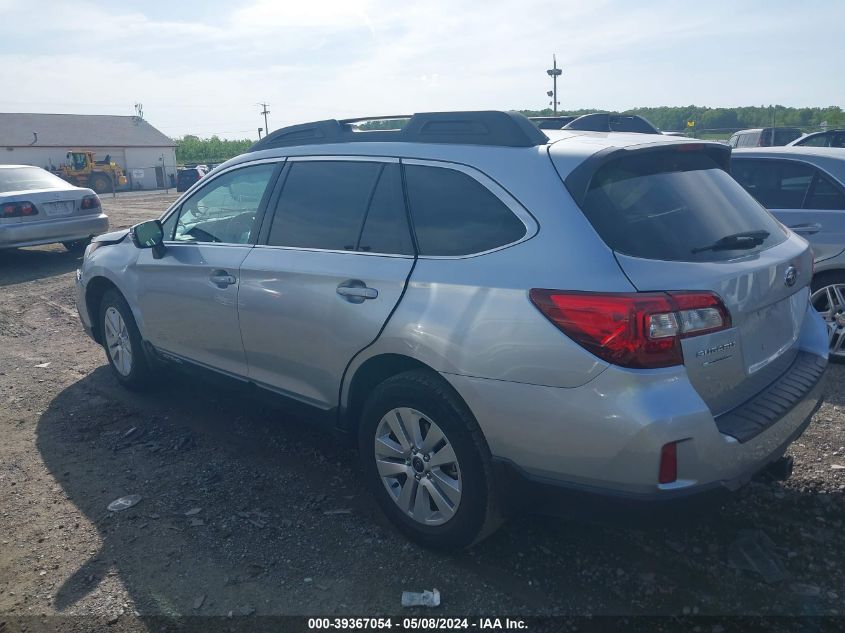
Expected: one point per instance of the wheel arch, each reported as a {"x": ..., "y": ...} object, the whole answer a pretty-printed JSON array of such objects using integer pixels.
[
  {"x": 370, "y": 373},
  {"x": 94, "y": 292}
]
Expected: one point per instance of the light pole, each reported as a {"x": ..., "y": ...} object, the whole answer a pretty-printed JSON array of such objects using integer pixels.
[{"x": 554, "y": 72}]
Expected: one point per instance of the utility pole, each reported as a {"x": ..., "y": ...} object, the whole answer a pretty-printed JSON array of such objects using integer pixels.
[
  {"x": 265, "y": 112},
  {"x": 554, "y": 72}
]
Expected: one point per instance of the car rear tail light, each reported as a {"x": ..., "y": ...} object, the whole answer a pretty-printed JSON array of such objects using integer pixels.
[
  {"x": 17, "y": 209},
  {"x": 668, "y": 471},
  {"x": 90, "y": 202},
  {"x": 640, "y": 330}
]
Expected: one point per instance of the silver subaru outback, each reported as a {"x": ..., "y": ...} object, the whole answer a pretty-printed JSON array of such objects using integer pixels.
[{"x": 477, "y": 302}]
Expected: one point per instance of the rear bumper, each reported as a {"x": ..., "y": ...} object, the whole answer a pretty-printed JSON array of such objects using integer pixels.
[
  {"x": 606, "y": 436},
  {"x": 521, "y": 489},
  {"x": 52, "y": 231}
]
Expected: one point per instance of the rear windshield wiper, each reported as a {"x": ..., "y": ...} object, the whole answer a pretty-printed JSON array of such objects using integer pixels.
[{"x": 747, "y": 239}]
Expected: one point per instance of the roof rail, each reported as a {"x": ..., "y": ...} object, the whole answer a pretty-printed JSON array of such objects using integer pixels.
[{"x": 483, "y": 127}]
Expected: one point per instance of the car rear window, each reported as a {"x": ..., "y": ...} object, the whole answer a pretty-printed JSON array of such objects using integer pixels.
[
  {"x": 670, "y": 205},
  {"x": 25, "y": 178}
]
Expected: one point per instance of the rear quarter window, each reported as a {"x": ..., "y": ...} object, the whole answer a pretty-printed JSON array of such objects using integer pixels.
[
  {"x": 454, "y": 214},
  {"x": 669, "y": 205}
]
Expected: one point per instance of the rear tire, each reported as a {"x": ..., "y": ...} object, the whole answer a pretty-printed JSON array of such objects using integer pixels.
[
  {"x": 77, "y": 247},
  {"x": 825, "y": 287},
  {"x": 426, "y": 462},
  {"x": 122, "y": 343}
]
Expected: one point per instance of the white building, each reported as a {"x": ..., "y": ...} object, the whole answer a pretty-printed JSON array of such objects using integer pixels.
[{"x": 147, "y": 156}]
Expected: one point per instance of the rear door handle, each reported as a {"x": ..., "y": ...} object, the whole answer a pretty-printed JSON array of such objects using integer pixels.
[
  {"x": 806, "y": 228},
  {"x": 222, "y": 279},
  {"x": 356, "y": 291}
]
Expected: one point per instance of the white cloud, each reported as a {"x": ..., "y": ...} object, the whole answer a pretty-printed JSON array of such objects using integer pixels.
[{"x": 314, "y": 60}]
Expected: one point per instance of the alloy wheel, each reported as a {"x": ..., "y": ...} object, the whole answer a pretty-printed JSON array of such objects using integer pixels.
[
  {"x": 418, "y": 466},
  {"x": 117, "y": 341},
  {"x": 829, "y": 301}
]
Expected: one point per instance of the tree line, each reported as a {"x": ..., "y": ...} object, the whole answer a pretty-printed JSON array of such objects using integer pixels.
[
  {"x": 675, "y": 118},
  {"x": 192, "y": 149}
]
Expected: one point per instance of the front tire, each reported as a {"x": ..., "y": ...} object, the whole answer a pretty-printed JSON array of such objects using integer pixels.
[
  {"x": 425, "y": 461},
  {"x": 828, "y": 298},
  {"x": 122, "y": 342}
]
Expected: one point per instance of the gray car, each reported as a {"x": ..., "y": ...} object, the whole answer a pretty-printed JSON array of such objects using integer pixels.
[
  {"x": 487, "y": 309},
  {"x": 37, "y": 207},
  {"x": 804, "y": 187}
]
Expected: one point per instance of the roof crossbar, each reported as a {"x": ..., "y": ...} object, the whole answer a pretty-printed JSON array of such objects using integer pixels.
[{"x": 483, "y": 127}]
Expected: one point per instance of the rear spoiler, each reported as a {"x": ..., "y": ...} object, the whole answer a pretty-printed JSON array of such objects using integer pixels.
[{"x": 579, "y": 179}]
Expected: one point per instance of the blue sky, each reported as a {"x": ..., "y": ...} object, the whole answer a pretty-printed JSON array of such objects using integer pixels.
[{"x": 201, "y": 67}]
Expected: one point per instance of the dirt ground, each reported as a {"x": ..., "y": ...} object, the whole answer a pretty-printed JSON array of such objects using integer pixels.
[{"x": 247, "y": 509}]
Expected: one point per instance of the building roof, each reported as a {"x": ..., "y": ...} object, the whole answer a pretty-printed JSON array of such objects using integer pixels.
[{"x": 78, "y": 131}]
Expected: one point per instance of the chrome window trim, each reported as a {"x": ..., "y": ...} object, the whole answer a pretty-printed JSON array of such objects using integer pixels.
[
  {"x": 522, "y": 214},
  {"x": 328, "y": 250},
  {"x": 202, "y": 182},
  {"x": 334, "y": 158}
]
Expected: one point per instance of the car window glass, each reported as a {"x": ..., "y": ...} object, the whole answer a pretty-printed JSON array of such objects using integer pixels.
[
  {"x": 775, "y": 184},
  {"x": 323, "y": 203},
  {"x": 225, "y": 209},
  {"x": 819, "y": 140},
  {"x": 454, "y": 214},
  {"x": 386, "y": 225},
  {"x": 668, "y": 205},
  {"x": 825, "y": 195},
  {"x": 838, "y": 140},
  {"x": 782, "y": 137}
]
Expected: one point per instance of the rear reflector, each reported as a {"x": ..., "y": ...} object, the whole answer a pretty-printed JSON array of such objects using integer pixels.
[
  {"x": 639, "y": 330},
  {"x": 668, "y": 463}
]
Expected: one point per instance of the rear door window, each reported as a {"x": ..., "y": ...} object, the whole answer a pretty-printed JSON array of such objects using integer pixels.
[
  {"x": 775, "y": 184},
  {"x": 671, "y": 206},
  {"x": 455, "y": 215},
  {"x": 343, "y": 206},
  {"x": 323, "y": 204},
  {"x": 385, "y": 228},
  {"x": 825, "y": 194}
]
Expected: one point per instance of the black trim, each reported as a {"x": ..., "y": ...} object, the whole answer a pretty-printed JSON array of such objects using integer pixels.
[
  {"x": 483, "y": 127},
  {"x": 779, "y": 398}
]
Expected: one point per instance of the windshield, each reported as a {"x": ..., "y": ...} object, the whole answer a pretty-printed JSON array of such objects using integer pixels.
[
  {"x": 672, "y": 205},
  {"x": 26, "y": 178}
]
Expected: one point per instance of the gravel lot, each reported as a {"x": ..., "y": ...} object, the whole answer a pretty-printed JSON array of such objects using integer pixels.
[{"x": 246, "y": 509}]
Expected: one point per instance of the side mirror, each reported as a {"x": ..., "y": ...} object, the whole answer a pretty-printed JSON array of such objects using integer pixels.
[{"x": 149, "y": 235}]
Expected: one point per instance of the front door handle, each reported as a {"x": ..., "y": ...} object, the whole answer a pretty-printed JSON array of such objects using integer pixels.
[
  {"x": 356, "y": 291},
  {"x": 222, "y": 279},
  {"x": 808, "y": 228}
]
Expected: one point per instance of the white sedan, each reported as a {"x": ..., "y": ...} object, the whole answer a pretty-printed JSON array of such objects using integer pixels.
[{"x": 37, "y": 207}]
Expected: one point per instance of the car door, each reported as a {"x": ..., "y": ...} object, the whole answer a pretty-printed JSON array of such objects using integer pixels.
[
  {"x": 801, "y": 196},
  {"x": 188, "y": 297},
  {"x": 334, "y": 256}
]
